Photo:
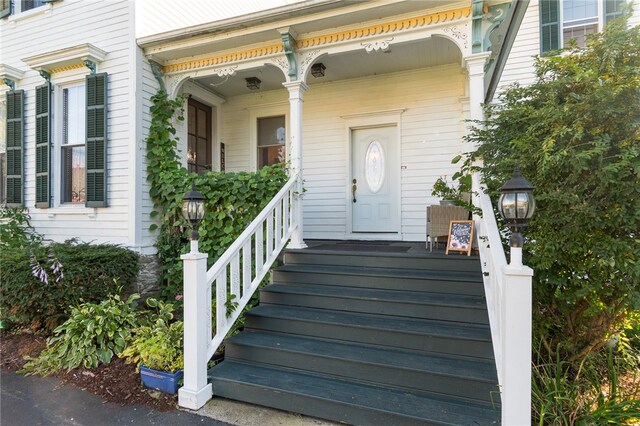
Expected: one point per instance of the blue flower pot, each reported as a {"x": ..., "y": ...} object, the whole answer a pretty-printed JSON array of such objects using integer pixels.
[{"x": 161, "y": 380}]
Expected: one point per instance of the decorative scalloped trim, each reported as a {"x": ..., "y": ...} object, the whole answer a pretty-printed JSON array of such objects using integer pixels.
[{"x": 385, "y": 28}]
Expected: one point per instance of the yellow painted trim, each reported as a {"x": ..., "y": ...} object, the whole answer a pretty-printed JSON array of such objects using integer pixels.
[
  {"x": 67, "y": 68},
  {"x": 388, "y": 27},
  {"x": 223, "y": 59}
]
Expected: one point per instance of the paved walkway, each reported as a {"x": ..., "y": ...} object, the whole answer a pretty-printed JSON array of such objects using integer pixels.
[
  {"x": 31, "y": 401},
  {"x": 38, "y": 401}
]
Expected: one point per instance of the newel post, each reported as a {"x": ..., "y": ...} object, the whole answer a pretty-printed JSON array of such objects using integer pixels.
[
  {"x": 197, "y": 330},
  {"x": 516, "y": 342}
]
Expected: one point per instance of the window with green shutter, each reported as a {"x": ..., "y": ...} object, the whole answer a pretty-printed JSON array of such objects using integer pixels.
[
  {"x": 15, "y": 143},
  {"x": 43, "y": 146},
  {"x": 549, "y": 25},
  {"x": 96, "y": 143}
]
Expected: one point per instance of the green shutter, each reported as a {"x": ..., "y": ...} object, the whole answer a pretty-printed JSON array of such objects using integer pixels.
[
  {"x": 613, "y": 9},
  {"x": 5, "y": 8},
  {"x": 15, "y": 142},
  {"x": 549, "y": 25},
  {"x": 96, "y": 140},
  {"x": 43, "y": 146}
]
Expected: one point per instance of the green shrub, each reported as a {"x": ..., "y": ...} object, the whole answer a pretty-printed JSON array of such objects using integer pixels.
[
  {"x": 40, "y": 283},
  {"x": 159, "y": 344},
  {"x": 16, "y": 230},
  {"x": 93, "y": 334}
]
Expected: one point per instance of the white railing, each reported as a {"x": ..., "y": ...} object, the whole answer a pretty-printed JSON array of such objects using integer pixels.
[
  {"x": 237, "y": 275},
  {"x": 508, "y": 294},
  {"x": 267, "y": 235}
]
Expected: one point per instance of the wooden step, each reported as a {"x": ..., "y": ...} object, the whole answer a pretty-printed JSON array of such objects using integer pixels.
[{"x": 341, "y": 400}]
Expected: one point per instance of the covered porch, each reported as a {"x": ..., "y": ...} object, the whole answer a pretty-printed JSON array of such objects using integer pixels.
[{"x": 366, "y": 102}]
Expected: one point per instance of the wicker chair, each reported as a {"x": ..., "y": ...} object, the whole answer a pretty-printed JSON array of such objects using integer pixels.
[{"x": 438, "y": 218}]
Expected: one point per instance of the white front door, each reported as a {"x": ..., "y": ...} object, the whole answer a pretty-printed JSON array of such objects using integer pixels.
[{"x": 375, "y": 181}]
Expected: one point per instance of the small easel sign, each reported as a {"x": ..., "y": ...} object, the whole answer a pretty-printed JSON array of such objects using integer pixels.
[{"x": 460, "y": 236}]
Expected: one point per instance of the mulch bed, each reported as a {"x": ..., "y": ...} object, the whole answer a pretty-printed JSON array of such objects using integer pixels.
[{"x": 116, "y": 382}]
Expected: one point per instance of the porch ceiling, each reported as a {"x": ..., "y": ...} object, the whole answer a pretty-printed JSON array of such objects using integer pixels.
[{"x": 401, "y": 57}]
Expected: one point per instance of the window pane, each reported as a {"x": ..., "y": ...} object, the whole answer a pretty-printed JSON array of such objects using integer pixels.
[
  {"x": 579, "y": 34},
  {"x": 192, "y": 119},
  {"x": 74, "y": 115},
  {"x": 271, "y": 131},
  {"x": 31, "y": 4},
  {"x": 270, "y": 155},
  {"x": 73, "y": 171},
  {"x": 579, "y": 9}
]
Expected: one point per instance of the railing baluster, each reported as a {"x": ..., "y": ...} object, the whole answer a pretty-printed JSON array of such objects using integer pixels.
[
  {"x": 285, "y": 214},
  {"x": 259, "y": 248},
  {"x": 269, "y": 236},
  {"x": 221, "y": 300},
  {"x": 278, "y": 230},
  {"x": 246, "y": 268},
  {"x": 235, "y": 277}
]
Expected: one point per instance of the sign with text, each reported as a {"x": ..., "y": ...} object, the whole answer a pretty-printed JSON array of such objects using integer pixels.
[{"x": 460, "y": 236}]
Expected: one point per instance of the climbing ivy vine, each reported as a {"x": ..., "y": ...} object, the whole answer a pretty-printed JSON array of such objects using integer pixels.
[{"x": 232, "y": 199}]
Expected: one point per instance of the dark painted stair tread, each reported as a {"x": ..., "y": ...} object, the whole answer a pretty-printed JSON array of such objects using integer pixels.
[
  {"x": 376, "y": 322},
  {"x": 399, "y": 254},
  {"x": 351, "y": 402},
  {"x": 423, "y": 274},
  {"x": 394, "y": 296},
  {"x": 452, "y": 366}
]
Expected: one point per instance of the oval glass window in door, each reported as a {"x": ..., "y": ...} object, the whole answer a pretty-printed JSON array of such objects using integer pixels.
[{"x": 374, "y": 166}]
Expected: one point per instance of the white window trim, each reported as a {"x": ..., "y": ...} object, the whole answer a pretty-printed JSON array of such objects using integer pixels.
[
  {"x": 19, "y": 15},
  {"x": 57, "y": 133},
  {"x": 265, "y": 111}
]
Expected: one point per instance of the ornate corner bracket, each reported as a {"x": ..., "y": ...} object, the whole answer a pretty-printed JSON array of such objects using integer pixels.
[
  {"x": 494, "y": 35},
  {"x": 91, "y": 65},
  {"x": 44, "y": 74},
  {"x": 10, "y": 83},
  {"x": 477, "y": 12},
  {"x": 156, "y": 69},
  {"x": 289, "y": 46}
]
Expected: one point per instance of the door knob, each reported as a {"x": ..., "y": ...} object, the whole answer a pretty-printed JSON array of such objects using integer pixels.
[{"x": 354, "y": 188}]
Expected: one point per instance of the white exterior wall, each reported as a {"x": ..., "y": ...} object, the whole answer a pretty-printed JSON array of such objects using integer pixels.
[
  {"x": 431, "y": 131},
  {"x": 107, "y": 25}
]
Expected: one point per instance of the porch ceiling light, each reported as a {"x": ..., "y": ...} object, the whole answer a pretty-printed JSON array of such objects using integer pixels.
[
  {"x": 193, "y": 210},
  {"x": 253, "y": 83},
  {"x": 317, "y": 70},
  {"x": 516, "y": 205}
]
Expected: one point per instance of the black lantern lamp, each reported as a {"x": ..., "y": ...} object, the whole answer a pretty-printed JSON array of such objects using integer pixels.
[
  {"x": 317, "y": 70},
  {"x": 253, "y": 83},
  {"x": 193, "y": 210},
  {"x": 516, "y": 205}
]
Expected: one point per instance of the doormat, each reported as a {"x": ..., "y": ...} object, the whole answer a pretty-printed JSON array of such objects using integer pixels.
[{"x": 363, "y": 247}]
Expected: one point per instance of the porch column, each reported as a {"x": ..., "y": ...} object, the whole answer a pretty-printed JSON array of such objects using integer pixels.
[
  {"x": 296, "y": 91},
  {"x": 475, "y": 67}
]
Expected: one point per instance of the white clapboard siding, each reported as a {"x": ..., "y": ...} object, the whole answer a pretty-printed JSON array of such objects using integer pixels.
[
  {"x": 108, "y": 25},
  {"x": 431, "y": 135}
]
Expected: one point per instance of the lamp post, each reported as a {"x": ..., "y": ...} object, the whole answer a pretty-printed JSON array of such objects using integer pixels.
[
  {"x": 193, "y": 212},
  {"x": 516, "y": 206}
]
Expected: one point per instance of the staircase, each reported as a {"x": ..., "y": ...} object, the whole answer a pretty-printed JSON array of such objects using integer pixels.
[{"x": 370, "y": 336}]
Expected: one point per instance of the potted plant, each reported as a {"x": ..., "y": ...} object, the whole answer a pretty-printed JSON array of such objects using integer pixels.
[{"x": 157, "y": 349}]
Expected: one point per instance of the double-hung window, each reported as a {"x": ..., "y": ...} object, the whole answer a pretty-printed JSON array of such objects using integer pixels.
[
  {"x": 72, "y": 151},
  {"x": 271, "y": 140},
  {"x": 565, "y": 20}
]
